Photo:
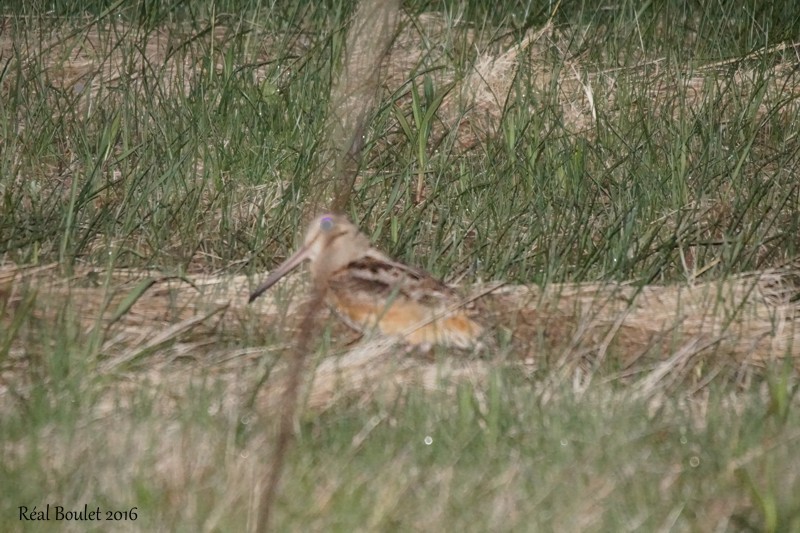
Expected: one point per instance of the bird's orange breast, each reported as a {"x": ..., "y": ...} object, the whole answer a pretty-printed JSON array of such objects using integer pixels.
[{"x": 398, "y": 315}]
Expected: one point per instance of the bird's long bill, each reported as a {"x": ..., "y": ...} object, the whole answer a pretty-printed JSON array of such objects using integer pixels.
[{"x": 284, "y": 268}]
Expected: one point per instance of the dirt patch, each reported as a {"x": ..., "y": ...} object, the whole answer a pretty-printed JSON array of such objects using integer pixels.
[{"x": 649, "y": 336}]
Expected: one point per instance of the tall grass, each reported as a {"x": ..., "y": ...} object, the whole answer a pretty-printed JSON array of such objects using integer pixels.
[{"x": 652, "y": 143}]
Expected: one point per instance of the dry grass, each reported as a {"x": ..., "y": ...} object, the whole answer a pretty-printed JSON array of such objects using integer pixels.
[
  {"x": 163, "y": 370},
  {"x": 91, "y": 59},
  {"x": 148, "y": 377},
  {"x": 653, "y": 336},
  {"x": 84, "y": 64}
]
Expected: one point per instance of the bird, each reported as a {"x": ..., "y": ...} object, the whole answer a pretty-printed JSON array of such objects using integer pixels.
[{"x": 370, "y": 291}]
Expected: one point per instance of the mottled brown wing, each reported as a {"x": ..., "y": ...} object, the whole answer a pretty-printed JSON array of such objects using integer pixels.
[
  {"x": 388, "y": 279},
  {"x": 374, "y": 291}
]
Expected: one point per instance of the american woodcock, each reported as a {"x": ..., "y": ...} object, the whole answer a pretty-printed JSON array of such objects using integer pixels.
[{"x": 369, "y": 290}]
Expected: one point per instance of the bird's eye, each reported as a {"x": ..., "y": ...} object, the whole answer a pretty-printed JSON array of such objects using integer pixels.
[{"x": 326, "y": 224}]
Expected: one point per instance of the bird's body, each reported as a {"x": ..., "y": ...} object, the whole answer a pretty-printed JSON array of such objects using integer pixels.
[{"x": 369, "y": 290}]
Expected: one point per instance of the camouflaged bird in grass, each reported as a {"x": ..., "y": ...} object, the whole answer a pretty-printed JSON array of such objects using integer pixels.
[{"x": 369, "y": 290}]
